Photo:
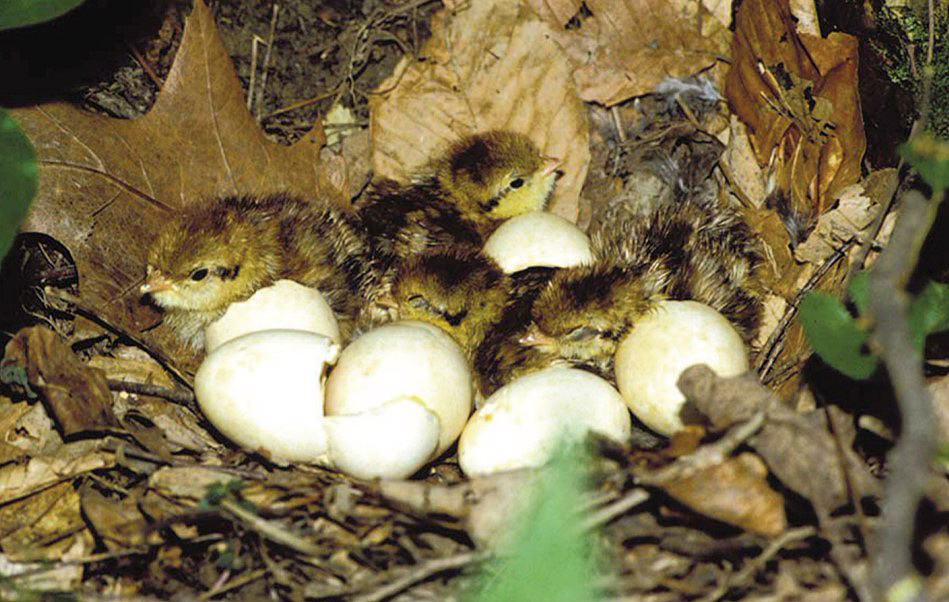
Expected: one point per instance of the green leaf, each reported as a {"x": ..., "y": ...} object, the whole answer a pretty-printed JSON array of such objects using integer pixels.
[
  {"x": 835, "y": 336},
  {"x": 930, "y": 157},
  {"x": 550, "y": 559},
  {"x": 859, "y": 291},
  {"x": 20, "y": 13},
  {"x": 17, "y": 179},
  {"x": 929, "y": 312}
]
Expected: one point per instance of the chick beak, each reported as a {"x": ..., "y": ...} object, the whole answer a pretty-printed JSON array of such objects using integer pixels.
[
  {"x": 155, "y": 282},
  {"x": 551, "y": 166},
  {"x": 537, "y": 338},
  {"x": 387, "y": 303}
]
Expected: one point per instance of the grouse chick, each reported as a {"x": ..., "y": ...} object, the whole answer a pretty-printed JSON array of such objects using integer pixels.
[{"x": 214, "y": 254}]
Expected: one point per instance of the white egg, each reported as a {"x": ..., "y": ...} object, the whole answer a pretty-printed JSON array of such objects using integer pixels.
[
  {"x": 264, "y": 391},
  {"x": 650, "y": 358},
  {"x": 538, "y": 239},
  {"x": 391, "y": 441},
  {"x": 402, "y": 360},
  {"x": 284, "y": 305},
  {"x": 523, "y": 422}
]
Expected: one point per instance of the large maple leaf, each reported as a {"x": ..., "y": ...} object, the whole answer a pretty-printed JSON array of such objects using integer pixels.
[{"x": 106, "y": 185}]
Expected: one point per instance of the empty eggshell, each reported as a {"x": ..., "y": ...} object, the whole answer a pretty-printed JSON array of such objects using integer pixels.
[
  {"x": 676, "y": 335},
  {"x": 522, "y": 423},
  {"x": 284, "y": 305},
  {"x": 264, "y": 391},
  {"x": 363, "y": 445},
  {"x": 538, "y": 239},
  {"x": 404, "y": 359}
]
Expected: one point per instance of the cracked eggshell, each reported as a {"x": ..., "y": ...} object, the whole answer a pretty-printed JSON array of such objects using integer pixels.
[
  {"x": 284, "y": 305},
  {"x": 362, "y": 445},
  {"x": 674, "y": 336},
  {"x": 404, "y": 359},
  {"x": 538, "y": 239},
  {"x": 521, "y": 424},
  {"x": 264, "y": 391}
]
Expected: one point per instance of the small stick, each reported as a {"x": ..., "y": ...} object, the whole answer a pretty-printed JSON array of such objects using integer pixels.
[
  {"x": 254, "y": 42},
  {"x": 422, "y": 572},
  {"x": 266, "y": 65},
  {"x": 182, "y": 396}
]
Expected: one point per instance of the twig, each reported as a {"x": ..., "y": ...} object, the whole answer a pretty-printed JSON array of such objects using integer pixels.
[
  {"x": 182, "y": 396},
  {"x": 271, "y": 530},
  {"x": 146, "y": 67},
  {"x": 422, "y": 572},
  {"x": 254, "y": 43},
  {"x": 607, "y": 513},
  {"x": 772, "y": 348},
  {"x": 752, "y": 566},
  {"x": 910, "y": 458},
  {"x": 266, "y": 65},
  {"x": 85, "y": 311}
]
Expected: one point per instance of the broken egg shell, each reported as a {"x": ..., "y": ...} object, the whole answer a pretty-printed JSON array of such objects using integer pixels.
[
  {"x": 669, "y": 339},
  {"x": 264, "y": 391},
  {"x": 538, "y": 239},
  {"x": 284, "y": 305},
  {"x": 391, "y": 441},
  {"x": 523, "y": 422},
  {"x": 404, "y": 359}
]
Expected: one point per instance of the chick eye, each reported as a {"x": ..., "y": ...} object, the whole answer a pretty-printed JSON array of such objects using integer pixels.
[
  {"x": 583, "y": 332},
  {"x": 516, "y": 183},
  {"x": 199, "y": 274},
  {"x": 418, "y": 302}
]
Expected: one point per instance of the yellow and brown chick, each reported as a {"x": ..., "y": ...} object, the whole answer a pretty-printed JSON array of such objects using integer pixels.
[
  {"x": 214, "y": 254},
  {"x": 685, "y": 251},
  {"x": 708, "y": 252},
  {"x": 459, "y": 198},
  {"x": 457, "y": 289}
]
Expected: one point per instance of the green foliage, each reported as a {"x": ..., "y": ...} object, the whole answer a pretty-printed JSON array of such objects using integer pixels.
[
  {"x": 550, "y": 556},
  {"x": 17, "y": 179},
  {"x": 835, "y": 336},
  {"x": 220, "y": 491},
  {"x": 930, "y": 157},
  {"x": 839, "y": 339},
  {"x": 20, "y": 13}
]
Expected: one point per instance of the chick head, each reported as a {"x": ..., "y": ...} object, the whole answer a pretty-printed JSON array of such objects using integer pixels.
[
  {"x": 495, "y": 175},
  {"x": 207, "y": 258},
  {"x": 457, "y": 289},
  {"x": 583, "y": 313}
]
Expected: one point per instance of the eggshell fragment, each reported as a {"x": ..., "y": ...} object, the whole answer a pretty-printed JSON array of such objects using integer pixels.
[
  {"x": 404, "y": 359},
  {"x": 362, "y": 445},
  {"x": 676, "y": 335},
  {"x": 538, "y": 239},
  {"x": 284, "y": 305},
  {"x": 264, "y": 391},
  {"x": 523, "y": 422}
]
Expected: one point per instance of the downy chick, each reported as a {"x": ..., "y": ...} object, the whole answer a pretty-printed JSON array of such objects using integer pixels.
[
  {"x": 459, "y": 198},
  {"x": 688, "y": 250},
  {"x": 708, "y": 251},
  {"x": 458, "y": 289},
  {"x": 575, "y": 319},
  {"x": 215, "y": 254}
]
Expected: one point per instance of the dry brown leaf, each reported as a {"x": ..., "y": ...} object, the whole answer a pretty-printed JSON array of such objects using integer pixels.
[
  {"x": 734, "y": 492},
  {"x": 488, "y": 65},
  {"x": 64, "y": 576},
  {"x": 797, "y": 448},
  {"x": 107, "y": 184},
  {"x": 798, "y": 94},
  {"x": 61, "y": 464},
  {"x": 49, "y": 515},
  {"x": 485, "y": 504},
  {"x": 77, "y": 396},
  {"x": 626, "y": 47},
  {"x": 118, "y": 522}
]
